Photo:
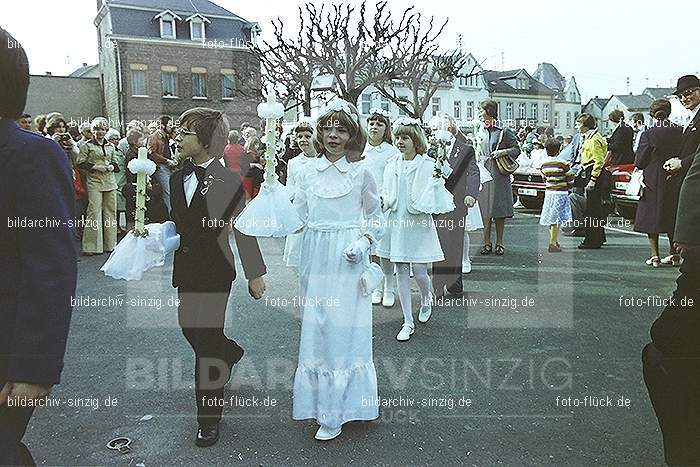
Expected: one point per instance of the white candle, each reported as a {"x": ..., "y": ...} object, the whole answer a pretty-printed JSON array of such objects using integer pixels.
[{"x": 141, "y": 179}]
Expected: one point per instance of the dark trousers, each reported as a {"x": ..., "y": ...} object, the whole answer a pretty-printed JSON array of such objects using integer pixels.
[
  {"x": 673, "y": 379},
  {"x": 595, "y": 218},
  {"x": 201, "y": 316},
  {"x": 450, "y": 229},
  {"x": 13, "y": 424}
]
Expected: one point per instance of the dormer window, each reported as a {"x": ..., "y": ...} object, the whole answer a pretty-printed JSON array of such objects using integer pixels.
[
  {"x": 198, "y": 27},
  {"x": 167, "y": 24}
]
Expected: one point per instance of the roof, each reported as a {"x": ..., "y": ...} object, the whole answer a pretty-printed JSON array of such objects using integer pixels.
[
  {"x": 495, "y": 80},
  {"x": 598, "y": 102},
  {"x": 548, "y": 75},
  {"x": 635, "y": 102},
  {"x": 84, "y": 70},
  {"x": 136, "y": 18},
  {"x": 659, "y": 93},
  {"x": 204, "y": 7}
]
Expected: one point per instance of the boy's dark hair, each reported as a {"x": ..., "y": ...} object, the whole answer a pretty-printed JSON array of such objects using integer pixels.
[
  {"x": 616, "y": 115},
  {"x": 164, "y": 119},
  {"x": 211, "y": 126},
  {"x": 14, "y": 76},
  {"x": 638, "y": 117},
  {"x": 552, "y": 146},
  {"x": 25, "y": 115},
  {"x": 490, "y": 107},
  {"x": 587, "y": 120}
]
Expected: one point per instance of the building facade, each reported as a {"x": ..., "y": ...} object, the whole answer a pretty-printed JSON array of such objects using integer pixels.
[
  {"x": 567, "y": 100},
  {"x": 629, "y": 104},
  {"x": 162, "y": 57},
  {"x": 77, "y": 98}
]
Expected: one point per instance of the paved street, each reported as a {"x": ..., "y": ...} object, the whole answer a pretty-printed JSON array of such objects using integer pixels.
[{"x": 483, "y": 383}]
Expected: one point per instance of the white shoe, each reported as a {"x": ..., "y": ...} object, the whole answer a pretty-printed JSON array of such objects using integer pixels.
[
  {"x": 405, "y": 333},
  {"x": 388, "y": 298},
  {"x": 377, "y": 296},
  {"x": 466, "y": 267},
  {"x": 326, "y": 433},
  {"x": 426, "y": 310},
  {"x": 674, "y": 260}
]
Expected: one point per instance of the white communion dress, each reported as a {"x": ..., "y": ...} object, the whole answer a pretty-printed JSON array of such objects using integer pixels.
[
  {"x": 296, "y": 168},
  {"x": 411, "y": 236},
  {"x": 335, "y": 381},
  {"x": 375, "y": 159}
]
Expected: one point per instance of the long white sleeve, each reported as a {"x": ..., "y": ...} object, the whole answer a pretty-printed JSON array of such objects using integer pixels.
[{"x": 372, "y": 218}]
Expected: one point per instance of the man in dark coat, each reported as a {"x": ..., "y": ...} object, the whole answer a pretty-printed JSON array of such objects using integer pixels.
[
  {"x": 205, "y": 198},
  {"x": 621, "y": 141},
  {"x": 38, "y": 264},
  {"x": 671, "y": 362},
  {"x": 463, "y": 183}
]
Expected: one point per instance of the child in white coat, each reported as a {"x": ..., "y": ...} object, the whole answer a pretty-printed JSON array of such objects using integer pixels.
[{"x": 411, "y": 238}]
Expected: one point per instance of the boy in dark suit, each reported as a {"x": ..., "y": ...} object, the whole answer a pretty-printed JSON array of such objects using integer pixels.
[
  {"x": 205, "y": 198},
  {"x": 38, "y": 264},
  {"x": 463, "y": 183}
]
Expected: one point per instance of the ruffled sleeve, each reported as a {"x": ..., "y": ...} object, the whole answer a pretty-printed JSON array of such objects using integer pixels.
[{"x": 372, "y": 218}]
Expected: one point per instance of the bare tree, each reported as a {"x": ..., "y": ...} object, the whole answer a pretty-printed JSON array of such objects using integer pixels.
[{"x": 287, "y": 62}]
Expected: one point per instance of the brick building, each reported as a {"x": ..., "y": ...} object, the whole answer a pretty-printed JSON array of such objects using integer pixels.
[{"x": 166, "y": 56}]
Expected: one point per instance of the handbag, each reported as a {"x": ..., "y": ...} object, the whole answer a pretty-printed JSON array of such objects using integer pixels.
[
  {"x": 506, "y": 164},
  {"x": 636, "y": 185},
  {"x": 371, "y": 278}
]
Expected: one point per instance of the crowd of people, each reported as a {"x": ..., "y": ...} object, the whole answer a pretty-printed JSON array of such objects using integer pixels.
[{"x": 371, "y": 200}]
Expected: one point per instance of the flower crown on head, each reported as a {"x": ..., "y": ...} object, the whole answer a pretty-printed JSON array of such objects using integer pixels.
[
  {"x": 339, "y": 105},
  {"x": 406, "y": 121},
  {"x": 378, "y": 111}
]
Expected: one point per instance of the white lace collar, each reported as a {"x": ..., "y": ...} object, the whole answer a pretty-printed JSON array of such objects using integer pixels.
[{"x": 341, "y": 164}]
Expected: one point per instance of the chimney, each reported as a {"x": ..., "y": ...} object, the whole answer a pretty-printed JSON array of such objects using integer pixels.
[
  {"x": 84, "y": 64},
  {"x": 48, "y": 73}
]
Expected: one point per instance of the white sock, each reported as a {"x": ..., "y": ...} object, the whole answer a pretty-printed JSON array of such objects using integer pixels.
[
  {"x": 388, "y": 269},
  {"x": 420, "y": 274},
  {"x": 404, "y": 290},
  {"x": 465, "y": 252}
]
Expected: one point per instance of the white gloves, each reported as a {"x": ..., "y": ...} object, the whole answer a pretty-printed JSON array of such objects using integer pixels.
[{"x": 356, "y": 250}]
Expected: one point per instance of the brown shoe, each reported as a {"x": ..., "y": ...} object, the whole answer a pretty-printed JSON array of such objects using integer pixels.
[{"x": 555, "y": 248}]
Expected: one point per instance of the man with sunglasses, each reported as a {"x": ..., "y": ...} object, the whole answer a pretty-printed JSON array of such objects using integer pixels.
[{"x": 671, "y": 362}]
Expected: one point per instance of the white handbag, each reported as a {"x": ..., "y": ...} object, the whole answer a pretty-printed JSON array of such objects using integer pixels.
[
  {"x": 371, "y": 278},
  {"x": 636, "y": 184}
]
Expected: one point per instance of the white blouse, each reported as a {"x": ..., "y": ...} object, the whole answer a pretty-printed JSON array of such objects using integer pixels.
[{"x": 375, "y": 159}]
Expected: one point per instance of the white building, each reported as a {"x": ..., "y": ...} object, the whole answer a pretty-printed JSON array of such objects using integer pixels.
[{"x": 567, "y": 100}]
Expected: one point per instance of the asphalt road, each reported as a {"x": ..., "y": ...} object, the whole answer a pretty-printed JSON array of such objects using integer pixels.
[{"x": 485, "y": 382}]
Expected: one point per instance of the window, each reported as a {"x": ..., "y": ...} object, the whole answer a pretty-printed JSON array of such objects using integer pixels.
[
  {"x": 521, "y": 111},
  {"x": 545, "y": 113},
  {"x": 384, "y": 103},
  {"x": 197, "y": 30},
  {"x": 168, "y": 77},
  {"x": 366, "y": 103},
  {"x": 534, "y": 111},
  {"x": 509, "y": 111},
  {"x": 568, "y": 119},
  {"x": 228, "y": 85},
  {"x": 556, "y": 119},
  {"x": 167, "y": 24},
  {"x": 463, "y": 81},
  {"x": 199, "y": 83},
  {"x": 470, "y": 110},
  {"x": 436, "y": 106},
  {"x": 401, "y": 111},
  {"x": 458, "y": 110},
  {"x": 138, "y": 80}
]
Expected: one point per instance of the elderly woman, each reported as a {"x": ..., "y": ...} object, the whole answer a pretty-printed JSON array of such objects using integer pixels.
[
  {"x": 593, "y": 152},
  {"x": 656, "y": 212},
  {"x": 98, "y": 158},
  {"x": 57, "y": 129},
  {"x": 496, "y": 197}
]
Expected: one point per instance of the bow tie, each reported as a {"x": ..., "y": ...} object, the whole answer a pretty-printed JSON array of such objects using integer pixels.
[{"x": 189, "y": 167}]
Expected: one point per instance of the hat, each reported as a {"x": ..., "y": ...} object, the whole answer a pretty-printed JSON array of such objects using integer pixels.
[{"x": 687, "y": 82}]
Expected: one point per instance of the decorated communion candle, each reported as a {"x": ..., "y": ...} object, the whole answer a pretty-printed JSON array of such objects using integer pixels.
[{"x": 141, "y": 179}]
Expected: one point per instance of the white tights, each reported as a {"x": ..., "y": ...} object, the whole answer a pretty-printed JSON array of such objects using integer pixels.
[
  {"x": 420, "y": 274},
  {"x": 388, "y": 269},
  {"x": 465, "y": 252}
]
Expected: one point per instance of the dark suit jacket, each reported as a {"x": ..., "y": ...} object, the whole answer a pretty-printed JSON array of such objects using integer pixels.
[
  {"x": 688, "y": 219},
  {"x": 689, "y": 143},
  {"x": 204, "y": 261},
  {"x": 464, "y": 179},
  {"x": 620, "y": 144},
  {"x": 38, "y": 265}
]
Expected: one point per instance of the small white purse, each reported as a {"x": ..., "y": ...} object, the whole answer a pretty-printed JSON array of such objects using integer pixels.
[
  {"x": 371, "y": 278},
  {"x": 636, "y": 185}
]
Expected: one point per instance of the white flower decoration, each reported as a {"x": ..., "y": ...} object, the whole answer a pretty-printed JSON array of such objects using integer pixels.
[
  {"x": 384, "y": 113},
  {"x": 137, "y": 166},
  {"x": 267, "y": 110},
  {"x": 339, "y": 105},
  {"x": 406, "y": 121}
]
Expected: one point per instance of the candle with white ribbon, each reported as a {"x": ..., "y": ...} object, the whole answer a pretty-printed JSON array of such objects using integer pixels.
[
  {"x": 270, "y": 139},
  {"x": 141, "y": 180}
]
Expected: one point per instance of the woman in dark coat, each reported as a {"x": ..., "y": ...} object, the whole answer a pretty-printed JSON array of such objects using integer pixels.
[
  {"x": 496, "y": 197},
  {"x": 656, "y": 212}
]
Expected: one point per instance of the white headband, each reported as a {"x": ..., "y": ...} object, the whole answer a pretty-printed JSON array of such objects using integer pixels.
[
  {"x": 339, "y": 105},
  {"x": 382, "y": 112},
  {"x": 406, "y": 121}
]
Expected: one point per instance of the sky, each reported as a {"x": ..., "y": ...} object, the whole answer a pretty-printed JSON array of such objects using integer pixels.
[{"x": 600, "y": 42}]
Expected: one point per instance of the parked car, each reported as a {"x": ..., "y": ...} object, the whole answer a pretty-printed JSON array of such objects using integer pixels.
[
  {"x": 625, "y": 204},
  {"x": 528, "y": 185}
]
